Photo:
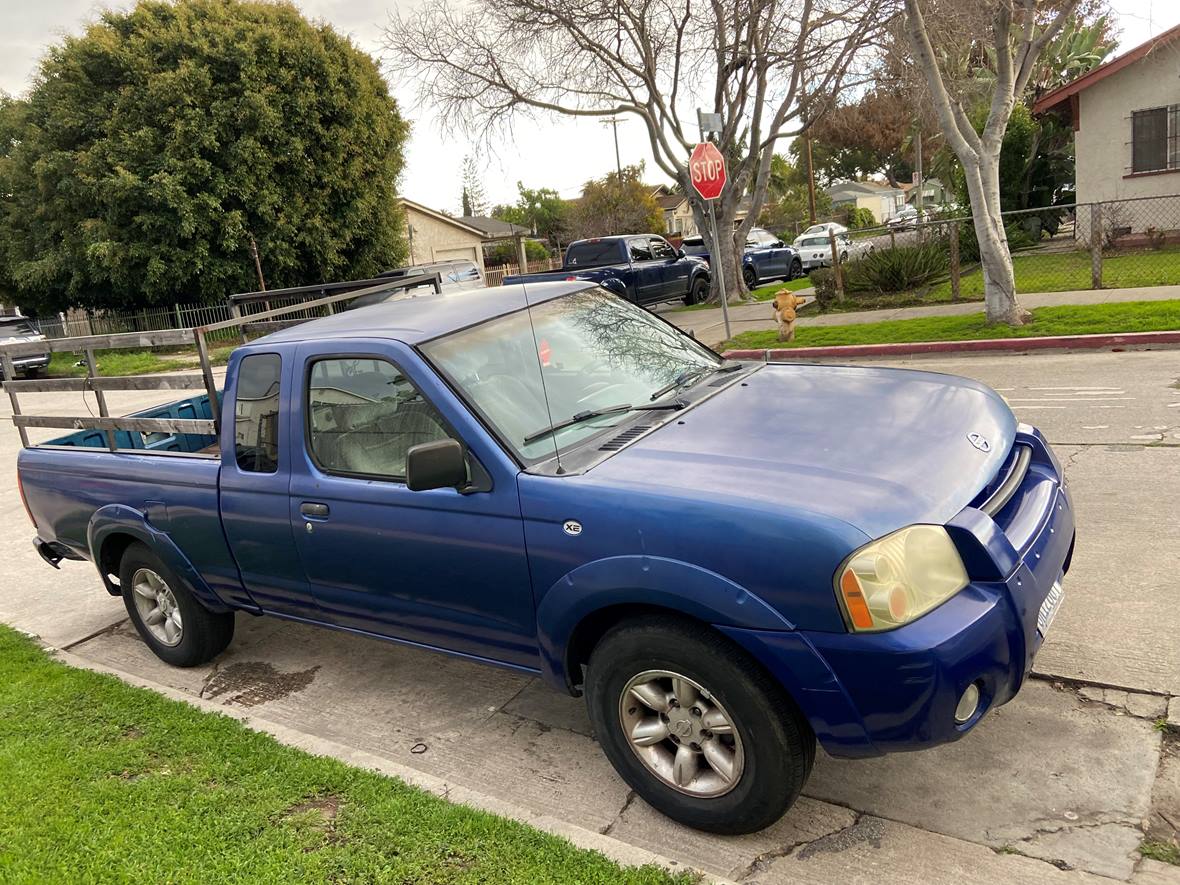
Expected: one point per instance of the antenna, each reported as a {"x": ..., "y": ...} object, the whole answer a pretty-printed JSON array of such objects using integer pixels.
[{"x": 528, "y": 309}]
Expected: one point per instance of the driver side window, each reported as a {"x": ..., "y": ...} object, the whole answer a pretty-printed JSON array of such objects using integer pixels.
[
  {"x": 364, "y": 415},
  {"x": 661, "y": 249}
]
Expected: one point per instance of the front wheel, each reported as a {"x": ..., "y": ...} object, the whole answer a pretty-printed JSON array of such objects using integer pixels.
[
  {"x": 750, "y": 276},
  {"x": 178, "y": 629},
  {"x": 696, "y": 727},
  {"x": 698, "y": 292}
]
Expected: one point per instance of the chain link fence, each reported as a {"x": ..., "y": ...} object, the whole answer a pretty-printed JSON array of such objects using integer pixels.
[{"x": 934, "y": 256}]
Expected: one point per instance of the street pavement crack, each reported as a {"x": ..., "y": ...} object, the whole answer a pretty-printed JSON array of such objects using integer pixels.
[
  {"x": 110, "y": 628},
  {"x": 606, "y": 831},
  {"x": 207, "y": 681}
]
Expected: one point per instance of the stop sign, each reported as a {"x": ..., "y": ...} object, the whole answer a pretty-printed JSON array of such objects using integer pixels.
[{"x": 706, "y": 168}]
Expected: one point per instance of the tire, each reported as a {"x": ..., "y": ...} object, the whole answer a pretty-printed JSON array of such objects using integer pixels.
[
  {"x": 698, "y": 292},
  {"x": 33, "y": 372},
  {"x": 770, "y": 752},
  {"x": 796, "y": 270},
  {"x": 201, "y": 635},
  {"x": 750, "y": 276},
  {"x": 843, "y": 257}
]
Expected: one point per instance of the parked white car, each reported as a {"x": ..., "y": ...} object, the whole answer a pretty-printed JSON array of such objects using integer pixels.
[
  {"x": 819, "y": 230},
  {"x": 907, "y": 218},
  {"x": 816, "y": 250}
]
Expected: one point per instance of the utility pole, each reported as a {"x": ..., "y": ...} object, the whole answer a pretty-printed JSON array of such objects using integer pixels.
[
  {"x": 918, "y": 171},
  {"x": 810, "y": 177},
  {"x": 257, "y": 264},
  {"x": 614, "y": 122}
]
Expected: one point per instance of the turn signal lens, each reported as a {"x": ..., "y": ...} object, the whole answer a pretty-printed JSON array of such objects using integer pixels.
[{"x": 898, "y": 578}]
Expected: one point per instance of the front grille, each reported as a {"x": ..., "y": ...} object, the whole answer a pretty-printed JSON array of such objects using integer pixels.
[{"x": 1007, "y": 481}]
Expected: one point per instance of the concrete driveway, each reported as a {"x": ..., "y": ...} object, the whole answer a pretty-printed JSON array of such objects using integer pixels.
[{"x": 1061, "y": 785}]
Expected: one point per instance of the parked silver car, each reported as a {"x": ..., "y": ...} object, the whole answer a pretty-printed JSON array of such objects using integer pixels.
[
  {"x": 18, "y": 329},
  {"x": 816, "y": 251}
]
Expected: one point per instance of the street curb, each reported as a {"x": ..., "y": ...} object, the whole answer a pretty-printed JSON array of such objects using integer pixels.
[
  {"x": 1120, "y": 341},
  {"x": 620, "y": 852}
]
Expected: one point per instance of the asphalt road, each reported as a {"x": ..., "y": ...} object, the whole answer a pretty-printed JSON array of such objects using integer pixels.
[{"x": 1058, "y": 786}]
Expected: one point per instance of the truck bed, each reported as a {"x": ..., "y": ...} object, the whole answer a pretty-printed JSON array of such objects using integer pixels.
[{"x": 192, "y": 443}]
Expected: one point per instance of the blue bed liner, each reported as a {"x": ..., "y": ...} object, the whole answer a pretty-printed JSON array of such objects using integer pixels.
[{"x": 193, "y": 407}]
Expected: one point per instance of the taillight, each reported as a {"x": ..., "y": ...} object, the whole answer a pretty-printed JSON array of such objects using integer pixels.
[{"x": 20, "y": 487}]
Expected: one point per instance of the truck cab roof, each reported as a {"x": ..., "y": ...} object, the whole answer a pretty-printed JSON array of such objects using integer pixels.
[{"x": 423, "y": 317}]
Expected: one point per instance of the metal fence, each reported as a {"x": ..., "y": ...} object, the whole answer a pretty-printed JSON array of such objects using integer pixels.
[
  {"x": 1113, "y": 244},
  {"x": 78, "y": 323}
]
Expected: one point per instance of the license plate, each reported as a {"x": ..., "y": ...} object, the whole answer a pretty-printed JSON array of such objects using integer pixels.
[{"x": 1050, "y": 607}]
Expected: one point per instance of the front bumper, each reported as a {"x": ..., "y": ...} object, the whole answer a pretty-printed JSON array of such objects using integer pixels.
[
  {"x": 24, "y": 363},
  {"x": 872, "y": 693}
]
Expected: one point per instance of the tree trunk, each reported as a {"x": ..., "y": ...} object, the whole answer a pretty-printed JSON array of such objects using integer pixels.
[
  {"x": 721, "y": 252},
  {"x": 999, "y": 283}
]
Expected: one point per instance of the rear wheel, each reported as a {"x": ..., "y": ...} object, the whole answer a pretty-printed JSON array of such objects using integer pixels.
[
  {"x": 178, "y": 629},
  {"x": 750, "y": 276},
  {"x": 695, "y": 726},
  {"x": 698, "y": 292}
]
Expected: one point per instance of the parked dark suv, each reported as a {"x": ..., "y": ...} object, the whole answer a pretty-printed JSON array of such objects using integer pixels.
[{"x": 14, "y": 329}]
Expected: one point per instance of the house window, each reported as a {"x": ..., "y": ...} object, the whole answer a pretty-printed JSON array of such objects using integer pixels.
[{"x": 1154, "y": 139}]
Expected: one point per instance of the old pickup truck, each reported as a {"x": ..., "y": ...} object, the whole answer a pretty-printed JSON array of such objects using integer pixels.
[
  {"x": 731, "y": 561},
  {"x": 643, "y": 268}
]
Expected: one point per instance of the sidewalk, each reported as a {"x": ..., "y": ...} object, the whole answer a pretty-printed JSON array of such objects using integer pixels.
[{"x": 710, "y": 329}]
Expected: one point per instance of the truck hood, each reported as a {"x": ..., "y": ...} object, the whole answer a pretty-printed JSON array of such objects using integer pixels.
[{"x": 876, "y": 448}]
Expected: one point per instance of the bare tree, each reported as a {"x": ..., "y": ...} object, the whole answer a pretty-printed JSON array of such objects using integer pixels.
[
  {"x": 1018, "y": 30},
  {"x": 482, "y": 62}
]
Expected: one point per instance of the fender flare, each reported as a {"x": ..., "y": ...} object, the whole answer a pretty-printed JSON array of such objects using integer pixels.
[
  {"x": 641, "y": 580},
  {"x": 119, "y": 519}
]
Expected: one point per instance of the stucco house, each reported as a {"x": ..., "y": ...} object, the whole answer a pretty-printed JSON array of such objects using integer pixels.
[
  {"x": 678, "y": 218},
  {"x": 1126, "y": 121},
  {"x": 883, "y": 200},
  {"x": 433, "y": 236}
]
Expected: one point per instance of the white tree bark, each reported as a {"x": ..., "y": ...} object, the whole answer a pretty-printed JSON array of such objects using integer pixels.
[{"x": 979, "y": 153}]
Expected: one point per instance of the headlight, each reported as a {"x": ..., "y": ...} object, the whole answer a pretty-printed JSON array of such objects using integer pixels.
[{"x": 899, "y": 578}]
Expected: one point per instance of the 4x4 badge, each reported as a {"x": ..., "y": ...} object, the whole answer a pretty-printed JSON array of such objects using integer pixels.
[{"x": 979, "y": 441}]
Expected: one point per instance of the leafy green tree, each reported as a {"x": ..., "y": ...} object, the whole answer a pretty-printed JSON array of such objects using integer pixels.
[
  {"x": 786, "y": 209},
  {"x": 539, "y": 209},
  {"x": 614, "y": 205},
  {"x": 157, "y": 144}
]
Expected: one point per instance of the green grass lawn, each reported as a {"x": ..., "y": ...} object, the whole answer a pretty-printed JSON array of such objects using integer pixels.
[
  {"x": 1127, "y": 316},
  {"x": 105, "y": 782},
  {"x": 134, "y": 362},
  {"x": 763, "y": 293},
  {"x": 1064, "y": 271}
]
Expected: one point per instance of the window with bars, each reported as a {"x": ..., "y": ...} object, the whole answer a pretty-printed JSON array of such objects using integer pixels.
[{"x": 1155, "y": 139}]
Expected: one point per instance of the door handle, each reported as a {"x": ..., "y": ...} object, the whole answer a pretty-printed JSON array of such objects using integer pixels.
[{"x": 312, "y": 510}]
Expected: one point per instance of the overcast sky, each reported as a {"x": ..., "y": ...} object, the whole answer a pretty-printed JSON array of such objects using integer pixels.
[{"x": 556, "y": 153}]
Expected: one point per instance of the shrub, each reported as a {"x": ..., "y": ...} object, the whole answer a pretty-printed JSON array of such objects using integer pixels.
[
  {"x": 898, "y": 270},
  {"x": 824, "y": 280},
  {"x": 859, "y": 216},
  {"x": 1022, "y": 234}
]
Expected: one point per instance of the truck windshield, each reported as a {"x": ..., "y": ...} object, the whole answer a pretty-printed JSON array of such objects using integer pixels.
[
  {"x": 596, "y": 351},
  {"x": 594, "y": 253}
]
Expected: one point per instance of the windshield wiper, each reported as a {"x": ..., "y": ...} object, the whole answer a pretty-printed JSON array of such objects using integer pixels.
[
  {"x": 598, "y": 413},
  {"x": 690, "y": 375}
]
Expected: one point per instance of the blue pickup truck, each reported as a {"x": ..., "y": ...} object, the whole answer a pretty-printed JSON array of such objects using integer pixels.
[
  {"x": 731, "y": 561},
  {"x": 643, "y": 268}
]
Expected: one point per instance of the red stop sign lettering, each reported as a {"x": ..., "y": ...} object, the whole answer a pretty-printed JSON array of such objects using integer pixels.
[{"x": 706, "y": 169}]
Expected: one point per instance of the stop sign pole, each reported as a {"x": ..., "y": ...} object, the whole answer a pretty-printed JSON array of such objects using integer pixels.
[{"x": 706, "y": 169}]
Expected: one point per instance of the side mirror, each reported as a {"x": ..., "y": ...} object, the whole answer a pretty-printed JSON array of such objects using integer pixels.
[
  {"x": 680, "y": 253},
  {"x": 435, "y": 465}
]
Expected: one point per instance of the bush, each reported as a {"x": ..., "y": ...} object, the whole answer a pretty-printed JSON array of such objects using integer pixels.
[
  {"x": 1022, "y": 234},
  {"x": 824, "y": 280},
  {"x": 504, "y": 252},
  {"x": 898, "y": 270},
  {"x": 859, "y": 216}
]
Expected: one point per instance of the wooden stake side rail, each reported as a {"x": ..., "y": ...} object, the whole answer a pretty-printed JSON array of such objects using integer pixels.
[
  {"x": 109, "y": 382},
  {"x": 166, "y": 338},
  {"x": 117, "y": 341},
  {"x": 403, "y": 283},
  {"x": 203, "y": 426}
]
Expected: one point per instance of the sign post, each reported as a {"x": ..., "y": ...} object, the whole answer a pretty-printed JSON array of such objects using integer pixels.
[{"x": 706, "y": 168}]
